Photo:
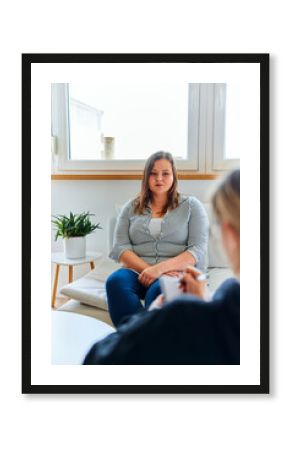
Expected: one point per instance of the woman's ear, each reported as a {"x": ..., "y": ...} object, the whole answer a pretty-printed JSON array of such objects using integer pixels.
[{"x": 230, "y": 232}]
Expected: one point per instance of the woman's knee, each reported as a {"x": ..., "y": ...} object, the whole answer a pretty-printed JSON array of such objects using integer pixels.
[
  {"x": 152, "y": 293},
  {"x": 116, "y": 278}
]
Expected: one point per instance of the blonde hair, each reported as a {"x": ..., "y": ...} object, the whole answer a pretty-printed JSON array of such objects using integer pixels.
[
  {"x": 143, "y": 199},
  {"x": 226, "y": 200}
]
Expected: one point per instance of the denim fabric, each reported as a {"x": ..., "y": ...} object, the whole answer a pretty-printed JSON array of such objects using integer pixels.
[{"x": 124, "y": 293}]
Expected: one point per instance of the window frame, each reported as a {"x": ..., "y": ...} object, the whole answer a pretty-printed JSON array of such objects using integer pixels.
[
  {"x": 60, "y": 131},
  {"x": 216, "y": 160},
  {"x": 206, "y": 136}
]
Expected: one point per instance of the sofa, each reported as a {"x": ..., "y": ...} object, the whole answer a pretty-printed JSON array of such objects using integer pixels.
[{"x": 88, "y": 295}]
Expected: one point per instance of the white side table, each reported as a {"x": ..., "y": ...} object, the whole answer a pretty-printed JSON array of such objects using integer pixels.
[{"x": 60, "y": 260}]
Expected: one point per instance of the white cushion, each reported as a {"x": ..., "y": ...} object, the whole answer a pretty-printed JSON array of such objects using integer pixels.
[
  {"x": 90, "y": 289},
  {"x": 75, "y": 306},
  {"x": 217, "y": 276}
]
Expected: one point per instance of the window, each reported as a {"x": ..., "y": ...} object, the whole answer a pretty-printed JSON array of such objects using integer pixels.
[
  {"x": 115, "y": 127},
  {"x": 127, "y": 121},
  {"x": 229, "y": 111},
  {"x": 85, "y": 130}
]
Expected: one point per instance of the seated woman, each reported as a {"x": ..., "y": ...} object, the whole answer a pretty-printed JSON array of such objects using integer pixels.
[
  {"x": 158, "y": 232},
  {"x": 188, "y": 330}
]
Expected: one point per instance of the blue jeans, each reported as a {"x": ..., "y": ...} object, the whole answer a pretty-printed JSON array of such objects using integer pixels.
[{"x": 124, "y": 293}]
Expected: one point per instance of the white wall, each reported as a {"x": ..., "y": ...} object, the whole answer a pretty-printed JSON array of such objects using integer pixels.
[{"x": 101, "y": 198}]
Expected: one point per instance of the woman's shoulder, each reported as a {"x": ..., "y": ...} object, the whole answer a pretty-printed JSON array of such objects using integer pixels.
[
  {"x": 190, "y": 201},
  {"x": 127, "y": 208}
]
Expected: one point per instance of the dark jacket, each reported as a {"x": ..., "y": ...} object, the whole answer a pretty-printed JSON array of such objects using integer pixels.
[{"x": 186, "y": 331}]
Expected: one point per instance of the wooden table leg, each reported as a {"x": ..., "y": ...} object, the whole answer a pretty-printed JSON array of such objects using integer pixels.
[
  {"x": 55, "y": 281},
  {"x": 92, "y": 265},
  {"x": 70, "y": 274}
]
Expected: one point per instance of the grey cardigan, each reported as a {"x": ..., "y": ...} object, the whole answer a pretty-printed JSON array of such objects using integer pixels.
[{"x": 183, "y": 229}]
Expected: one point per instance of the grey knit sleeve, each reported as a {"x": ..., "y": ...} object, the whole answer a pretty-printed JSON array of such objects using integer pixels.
[{"x": 121, "y": 240}]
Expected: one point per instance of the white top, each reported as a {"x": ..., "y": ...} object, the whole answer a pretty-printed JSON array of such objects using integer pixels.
[
  {"x": 59, "y": 258},
  {"x": 155, "y": 227}
]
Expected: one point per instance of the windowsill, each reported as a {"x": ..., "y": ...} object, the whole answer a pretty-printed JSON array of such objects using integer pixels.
[{"x": 129, "y": 176}]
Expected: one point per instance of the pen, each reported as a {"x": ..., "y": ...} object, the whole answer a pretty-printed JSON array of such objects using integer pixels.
[{"x": 202, "y": 277}]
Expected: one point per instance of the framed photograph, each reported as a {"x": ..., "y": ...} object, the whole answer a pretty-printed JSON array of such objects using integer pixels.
[{"x": 89, "y": 124}]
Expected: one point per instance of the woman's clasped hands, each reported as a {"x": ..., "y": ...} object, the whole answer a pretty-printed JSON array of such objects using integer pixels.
[
  {"x": 149, "y": 275},
  {"x": 152, "y": 273}
]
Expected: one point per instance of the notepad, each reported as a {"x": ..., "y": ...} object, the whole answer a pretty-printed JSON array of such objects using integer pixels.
[{"x": 170, "y": 287}]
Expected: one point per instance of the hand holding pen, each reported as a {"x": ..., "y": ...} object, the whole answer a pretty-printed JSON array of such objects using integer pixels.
[{"x": 194, "y": 282}]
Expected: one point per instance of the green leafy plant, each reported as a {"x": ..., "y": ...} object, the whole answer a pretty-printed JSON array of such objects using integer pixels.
[{"x": 74, "y": 225}]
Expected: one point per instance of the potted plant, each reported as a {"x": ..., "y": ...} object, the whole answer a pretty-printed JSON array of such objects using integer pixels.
[{"x": 74, "y": 229}]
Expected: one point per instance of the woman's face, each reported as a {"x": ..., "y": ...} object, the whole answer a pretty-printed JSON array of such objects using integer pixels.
[{"x": 161, "y": 177}]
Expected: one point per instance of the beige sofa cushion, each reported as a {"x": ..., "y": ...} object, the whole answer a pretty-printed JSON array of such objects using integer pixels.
[{"x": 90, "y": 289}]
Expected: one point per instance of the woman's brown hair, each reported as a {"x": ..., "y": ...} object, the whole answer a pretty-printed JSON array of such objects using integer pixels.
[
  {"x": 226, "y": 200},
  {"x": 143, "y": 199}
]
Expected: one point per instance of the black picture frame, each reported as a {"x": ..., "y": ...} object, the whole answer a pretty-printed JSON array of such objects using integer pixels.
[{"x": 263, "y": 61}]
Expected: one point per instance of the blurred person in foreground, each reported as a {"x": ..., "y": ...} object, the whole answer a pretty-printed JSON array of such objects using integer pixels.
[{"x": 188, "y": 330}]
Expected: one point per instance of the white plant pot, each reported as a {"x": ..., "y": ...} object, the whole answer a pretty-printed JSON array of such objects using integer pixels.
[{"x": 74, "y": 247}]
